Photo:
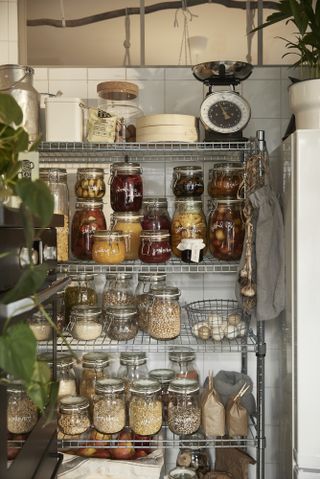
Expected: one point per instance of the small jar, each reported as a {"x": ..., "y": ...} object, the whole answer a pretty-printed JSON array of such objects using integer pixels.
[
  {"x": 145, "y": 280},
  {"x": 90, "y": 183},
  {"x": 163, "y": 376},
  {"x": 126, "y": 188},
  {"x": 87, "y": 219},
  {"x": 187, "y": 181},
  {"x": 65, "y": 372},
  {"x": 109, "y": 409},
  {"x": 182, "y": 473},
  {"x": 188, "y": 222},
  {"x": 226, "y": 230},
  {"x": 164, "y": 313},
  {"x": 122, "y": 322},
  {"x": 22, "y": 414},
  {"x": 194, "y": 453},
  {"x": 182, "y": 362},
  {"x": 184, "y": 412},
  {"x": 145, "y": 407},
  {"x": 225, "y": 180},
  {"x": 40, "y": 327},
  {"x": 133, "y": 365},
  {"x": 155, "y": 214},
  {"x": 129, "y": 223},
  {"x": 119, "y": 289},
  {"x": 80, "y": 290},
  {"x": 191, "y": 250},
  {"x": 155, "y": 246},
  {"x": 95, "y": 366},
  {"x": 73, "y": 415},
  {"x": 108, "y": 247},
  {"x": 86, "y": 322}
]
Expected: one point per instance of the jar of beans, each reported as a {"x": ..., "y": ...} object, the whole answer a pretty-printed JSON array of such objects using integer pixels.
[
  {"x": 184, "y": 412},
  {"x": 119, "y": 289},
  {"x": 109, "y": 410},
  {"x": 126, "y": 187},
  {"x": 22, "y": 414},
  {"x": 145, "y": 281},
  {"x": 164, "y": 313},
  {"x": 73, "y": 415},
  {"x": 90, "y": 183},
  {"x": 145, "y": 407}
]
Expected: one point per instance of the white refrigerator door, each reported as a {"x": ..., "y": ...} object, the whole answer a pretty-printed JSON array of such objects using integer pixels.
[{"x": 306, "y": 474}]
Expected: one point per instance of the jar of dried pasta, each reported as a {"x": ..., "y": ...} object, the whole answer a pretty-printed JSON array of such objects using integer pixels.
[
  {"x": 109, "y": 409},
  {"x": 95, "y": 366},
  {"x": 164, "y": 313},
  {"x": 145, "y": 407}
]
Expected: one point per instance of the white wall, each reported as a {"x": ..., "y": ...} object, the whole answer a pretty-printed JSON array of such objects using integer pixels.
[{"x": 8, "y": 32}]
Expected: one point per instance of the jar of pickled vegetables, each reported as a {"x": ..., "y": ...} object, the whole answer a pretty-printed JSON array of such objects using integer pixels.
[
  {"x": 119, "y": 289},
  {"x": 81, "y": 290},
  {"x": 155, "y": 246},
  {"x": 87, "y": 219},
  {"x": 226, "y": 230},
  {"x": 188, "y": 222},
  {"x": 90, "y": 183},
  {"x": 225, "y": 180},
  {"x": 145, "y": 282},
  {"x": 126, "y": 188},
  {"x": 155, "y": 214},
  {"x": 187, "y": 181},
  {"x": 108, "y": 247},
  {"x": 129, "y": 223}
]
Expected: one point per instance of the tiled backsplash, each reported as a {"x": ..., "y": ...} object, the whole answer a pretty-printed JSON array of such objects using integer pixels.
[{"x": 8, "y": 32}]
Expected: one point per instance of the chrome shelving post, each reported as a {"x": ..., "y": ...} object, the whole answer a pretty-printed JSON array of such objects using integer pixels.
[{"x": 261, "y": 439}]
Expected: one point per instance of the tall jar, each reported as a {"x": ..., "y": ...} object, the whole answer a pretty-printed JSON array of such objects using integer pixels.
[
  {"x": 226, "y": 230},
  {"x": 90, "y": 183},
  {"x": 145, "y": 280},
  {"x": 80, "y": 290},
  {"x": 145, "y": 407},
  {"x": 225, "y": 180},
  {"x": 109, "y": 410},
  {"x": 164, "y": 377},
  {"x": 109, "y": 247},
  {"x": 85, "y": 322},
  {"x": 164, "y": 313},
  {"x": 133, "y": 365},
  {"x": 95, "y": 366},
  {"x": 56, "y": 179},
  {"x": 126, "y": 187},
  {"x": 130, "y": 224},
  {"x": 22, "y": 414},
  {"x": 155, "y": 246},
  {"x": 184, "y": 412},
  {"x": 122, "y": 322},
  {"x": 73, "y": 415},
  {"x": 187, "y": 181},
  {"x": 119, "y": 289},
  {"x": 155, "y": 214},
  {"x": 120, "y": 99},
  {"x": 87, "y": 219},
  {"x": 65, "y": 372},
  {"x": 182, "y": 361},
  {"x": 188, "y": 222}
]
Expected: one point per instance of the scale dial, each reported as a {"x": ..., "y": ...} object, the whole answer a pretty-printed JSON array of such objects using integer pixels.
[{"x": 225, "y": 112}]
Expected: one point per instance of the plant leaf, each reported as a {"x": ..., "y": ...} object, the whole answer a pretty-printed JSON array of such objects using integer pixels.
[
  {"x": 38, "y": 387},
  {"x": 37, "y": 197},
  {"x": 18, "y": 348},
  {"x": 29, "y": 282},
  {"x": 10, "y": 111}
]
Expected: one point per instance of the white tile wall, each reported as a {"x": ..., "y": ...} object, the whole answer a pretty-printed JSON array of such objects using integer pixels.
[{"x": 8, "y": 31}]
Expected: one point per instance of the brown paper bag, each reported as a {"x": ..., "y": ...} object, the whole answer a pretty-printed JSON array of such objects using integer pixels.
[
  {"x": 212, "y": 411},
  {"x": 234, "y": 461},
  {"x": 237, "y": 415}
]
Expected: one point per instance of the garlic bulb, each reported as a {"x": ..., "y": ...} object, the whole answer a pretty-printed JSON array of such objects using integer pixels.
[{"x": 234, "y": 319}]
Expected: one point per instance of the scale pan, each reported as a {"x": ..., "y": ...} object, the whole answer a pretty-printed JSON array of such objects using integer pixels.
[{"x": 222, "y": 69}]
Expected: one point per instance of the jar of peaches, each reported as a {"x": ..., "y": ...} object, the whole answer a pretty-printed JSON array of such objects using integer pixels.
[{"x": 129, "y": 223}]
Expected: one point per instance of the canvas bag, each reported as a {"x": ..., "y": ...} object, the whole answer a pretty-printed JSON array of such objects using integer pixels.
[
  {"x": 236, "y": 415},
  {"x": 229, "y": 383},
  {"x": 212, "y": 411}
]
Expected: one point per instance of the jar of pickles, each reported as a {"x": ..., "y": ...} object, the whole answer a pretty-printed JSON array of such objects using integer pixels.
[
  {"x": 129, "y": 223},
  {"x": 145, "y": 407},
  {"x": 145, "y": 281},
  {"x": 164, "y": 313},
  {"x": 73, "y": 415},
  {"x": 226, "y": 230},
  {"x": 85, "y": 322},
  {"x": 133, "y": 365},
  {"x": 184, "y": 412},
  {"x": 182, "y": 363},
  {"x": 119, "y": 289},
  {"x": 155, "y": 246},
  {"x": 95, "y": 366},
  {"x": 163, "y": 376},
  {"x": 87, "y": 219},
  {"x": 109, "y": 410},
  {"x": 225, "y": 180},
  {"x": 90, "y": 183},
  {"x": 80, "y": 290},
  {"x": 126, "y": 188},
  {"x": 155, "y": 214},
  {"x": 22, "y": 414},
  {"x": 122, "y": 322},
  {"x": 188, "y": 222},
  {"x": 187, "y": 181},
  {"x": 109, "y": 247}
]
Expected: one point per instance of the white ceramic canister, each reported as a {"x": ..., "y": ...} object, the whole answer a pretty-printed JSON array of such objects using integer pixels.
[{"x": 64, "y": 119}]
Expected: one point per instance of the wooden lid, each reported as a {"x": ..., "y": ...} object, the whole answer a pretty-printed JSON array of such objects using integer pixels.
[{"x": 117, "y": 90}]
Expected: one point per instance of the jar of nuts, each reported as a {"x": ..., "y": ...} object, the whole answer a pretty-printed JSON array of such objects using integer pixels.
[
  {"x": 22, "y": 414},
  {"x": 90, "y": 183},
  {"x": 145, "y": 407},
  {"x": 164, "y": 313},
  {"x": 119, "y": 289},
  {"x": 184, "y": 412},
  {"x": 73, "y": 415},
  {"x": 122, "y": 322},
  {"x": 145, "y": 280},
  {"x": 94, "y": 367},
  {"x": 109, "y": 410}
]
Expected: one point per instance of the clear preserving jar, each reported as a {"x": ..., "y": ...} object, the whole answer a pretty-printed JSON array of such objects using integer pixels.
[
  {"x": 109, "y": 409},
  {"x": 155, "y": 246},
  {"x": 163, "y": 376},
  {"x": 90, "y": 183},
  {"x": 182, "y": 361},
  {"x": 145, "y": 407},
  {"x": 226, "y": 230},
  {"x": 184, "y": 412},
  {"x": 133, "y": 365},
  {"x": 85, "y": 322},
  {"x": 119, "y": 99},
  {"x": 155, "y": 214},
  {"x": 129, "y": 223},
  {"x": 182, "y": 473},
  {"x": 40, "y": 326},
  {"x": 194, "y": 453},
  {"x": 109, "y": 247},
  {"x": 95, "y": 366},
  {"x": 87, "y": 219},
  {"x": 188, "y": 222},
  {"x": 145, "y": 281},
  {"x": 73, "y": 415},
  {"x": 119, "y": 289},
  {"x": 22, "y": 414},
  {"x": 164, "y": 313},
  {"x": 225, "y": 180},
  {"x": 65, "y": 372},
  {"x": 122, "y": 322},
  {"x": 126, "y": 187},
  {"x": 56, "y": 179},
  {"x": 80, "y": 290},
  {"x": 187, "y": 181}
]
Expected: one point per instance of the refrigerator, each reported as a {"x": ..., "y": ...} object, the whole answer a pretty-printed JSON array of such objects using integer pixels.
[{"x": 300, "y": 410}]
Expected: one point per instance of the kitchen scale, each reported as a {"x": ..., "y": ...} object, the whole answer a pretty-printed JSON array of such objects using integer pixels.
[{"x": 224, "y": 113}]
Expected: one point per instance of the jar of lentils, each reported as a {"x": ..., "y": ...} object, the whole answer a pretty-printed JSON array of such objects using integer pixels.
[
  {"x": 122, "y": 322},
  {"x": 164, "y": 313},
  {"x": 129, "y": 223},
  {"x": 145, "y": 280},
  {"x": 187, "y": 181},
  {"x": 155, "y": 214},
  {"x": 119, "y": 289},
  {"x": 73, "y": 415},
  {"x": 145, "y": 407},
  {"x": 85, "y": 322},
  {"x": 225, "y": 180},
  {"x": 109, "y": 409},
  {"x": 133, "y": 365},
  {"x": 155, "y": 246},
  {"x": 80, "y": 290},
  {"x": 182, "y": 361},
  {"x": 126, "y": 187},
  {"x": 163, "y": 376},
  {"x": 90, "y": 183},
  {"x": 95, "y": 366},
  {"x": 184, "y": 412},
  {"x": 22, "y": 414}
]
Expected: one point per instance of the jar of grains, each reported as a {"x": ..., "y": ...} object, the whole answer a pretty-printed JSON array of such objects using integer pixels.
[
  {"x": 87, "y": 219},
  {"x": 109, "y": 408},
  {"x": 119, "y": 289},
  {"x": 184, "y": 412},
  {"x": 109, "y": 247},
  {"x": 155, "y": 246},
  {"x": 133, "y": 365},
  {"x": 129, "y": 223},
  {"x": 155, "y": 214},
  {"x": 163, "y": 376},
  {"x": 40, "y": 327},
  {"x": 94, "y": 367},
  {"x": 182, "y": 362},
  {"x": 126, "y": 188},
  {"x": 122, "y": 321},
  {"x": 225, "y": 180},
  {"x": 145, "y": 407},
  {"x": 85, "y": 322},
  {"x": 194, "y": 453},
  {"x": 226, "y": 230},
  {"x": 73, "y": 415},
  {"x": 182, "y": 473},
  {"x": 164, "y": 313},
  {"x": 145, "y": 280},
  {"x": 187, "y": 181},
  {"x": 90, "y": 183},
  {"x": 80, "y": 290},
  {"x": 22, "y": 414},
  {"x": 188, "y": 222},
  {"x": 65, "y": 372}
]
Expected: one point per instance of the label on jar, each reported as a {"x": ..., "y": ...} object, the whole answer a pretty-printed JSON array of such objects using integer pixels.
[
  {"x": 160, "y": 250},
  {"x": 101, "y": 129}
]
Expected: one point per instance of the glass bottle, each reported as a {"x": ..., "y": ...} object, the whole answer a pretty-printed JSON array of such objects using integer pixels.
[
  {"x": 145, "y": 407},
  {"x": 90, "y": 183},
  {"x": 73, "y": 415},
  {"x": 194, "y": 453},
  {"x": 182, "y": 362},
  {"x": 56, "y": 179},
  {"x": 184, "y": 412},
  {"x": 126, "y": 187},
  {"x": 80, "y": 290},
  {"x": 163, "y": 376},
  {"x": 187, "y": 181},
  {"x": 122, "y": 322},
  {"x": 155, "y": 246},
  {"x": 109, "y": 247},
  {"x": 155, "y": 214},
  {"x": 109, "y": 409},
  {"x": 225, "y": 180},
  {"x": 85, "y": 322},
  {"x": 119, "y": 289},
  {"x": 130, "y": 224},
  {"x": 22, "y": 414},
  {"x": 145, "y": 280},
  {"x": 133, "y": 365},
  {"x": 65, "y": 372},
  {"x": 164, "y": 313},
  {"x": 95, "y": 366}
]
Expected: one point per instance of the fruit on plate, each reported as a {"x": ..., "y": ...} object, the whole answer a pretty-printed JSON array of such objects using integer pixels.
[
  {"x": 86, "y": 451},
  {"x": 97, "y": 436},
  {"x": 125, "y": 449}
]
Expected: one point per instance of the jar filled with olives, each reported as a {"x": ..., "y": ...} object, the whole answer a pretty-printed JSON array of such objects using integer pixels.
[
  {"x": 80, "y": 290},
  {"x": 90, "y": 183},
  {"x": 225, "y": 180},
  {"x": 187, "y": 181}
]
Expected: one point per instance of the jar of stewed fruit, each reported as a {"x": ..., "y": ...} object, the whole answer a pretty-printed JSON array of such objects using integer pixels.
[
  {"x": 187, "y": 181},
  {"x": 126, "y": 188},
  {"x": 225, "y": 180},
  {"x": 155, "y": 214},
  {"x": 155, "y": 246}
]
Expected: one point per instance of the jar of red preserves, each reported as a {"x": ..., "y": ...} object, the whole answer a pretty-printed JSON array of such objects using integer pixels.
[
  {"x": 87, "y": 219},
  {"x": 126, "y": 188},
  {"x": 226, "y": 230},
  {"x": 155, "y": 246},
  {"x": 225, "y": 180},
  {"x": 155, "y": 214}
]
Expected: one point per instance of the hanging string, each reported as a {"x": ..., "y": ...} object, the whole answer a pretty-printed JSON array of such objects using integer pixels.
[
  {"x": 250, "y": 13},
  {"x": 126, "y": 43},
  {"x": 185, "y": 43},
  {"x": 63, "y": 19}
]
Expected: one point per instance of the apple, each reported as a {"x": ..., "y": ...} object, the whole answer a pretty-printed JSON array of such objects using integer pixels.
[
  {"x": 140, "y": 453},
  {"x": 97, "y": 436},
  {"x": 143, "y": 442},
  {"x": 102, "y": 453},
  {"x": 125, "y": 450},
  {"x": 86, "y": 451}
]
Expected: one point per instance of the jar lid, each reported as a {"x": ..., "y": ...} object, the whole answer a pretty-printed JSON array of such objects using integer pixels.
[
  {"x": 119, "y": 276},
  {"x": 16, "y": 387},
  {"x": 164, "y": 376},
  {"x": 96, "y": 360},
  {"x": 228, "y": 166},
  {"x": 190, "y": 169},
  {"x": 109, "y": 235},
  {"x": 90, "y": 172},
  {"x": 119, "y": 311},
  {"x": 166, "y": 292},
  {"x": 152, "y": 277},
  {"x": 109, "y": 385},
  {"x": 70, "y": 404},
  {"x": 133, "y": 358},
  {"x": 181, "y": 354},
  {"x": 63, "y": 359},
  {"x": 86, "y": 311},
  {"x": 155, "y": 235},
  {"x": 38, "y": 316},
  {"x": 81, "y": 277},
  {"x": 89, "y": 204},
  {"x": 54, "y": 175},
  {"x": 117, "y": 90},
  {"x": 125, "y": 167},
  {"x": 127, "y": 215},
  {"x": 183, "y": 386},
  {"x": 145, "y": 386},
  {"x": 156, "y": 202},
  {"x": 188, "y": 200},
  {"x": 182, "y": 473}
]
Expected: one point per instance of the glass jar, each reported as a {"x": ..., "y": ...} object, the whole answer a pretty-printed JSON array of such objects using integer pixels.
[
  {"x": 182, "y": 362},
  {"x": 87, "y": 219},
  {"x": 194, "y": 453},
  {"x": 145, "y": 407},
  {"x": 73, "y": 415},
  {"x": 22, "y": 414},
  {"x": 133, "y": 365},
  {"x": 163, "y": 376},
  {"x": 226, "y": 230},
  {"x": 155, "y": 246},
  {"x": 90, "y": 183},
  {"x": 94, "y": 367},
  {"x": 155, "y": 214},
  {"x": 122, "y": 322},
  {"x": 109, "y": 247},
  {"x": 145, "y": 280},
  {"x": 187, "y": 181},
  {"x": 184, "y": 412},
  {"x": 225, "y": 180},
  {"x": 182, "y": 473},
  {"x": 85, "y": 322},
  {"x": 119, "y": 289},
  {"x": 109, "y": 409},
  {"x": 56, "y": 179},
  {"x": 80, "y": 290},
  {"x": 40, "y": 327},
  {"x": 119, "y": 99},
  {"x": 65, "y": 372},
  {"x": 191, "y": 250},
  {"x": 188, "y": 222},
  {"x": 164, "y": 313},
  {"x": 126, "y": 188},
  {"x": 129, "y": 223}
]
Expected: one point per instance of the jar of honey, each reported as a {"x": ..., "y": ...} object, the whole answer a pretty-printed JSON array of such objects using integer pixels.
[
  {"x": 126, "y": 188},
  {"x": 155, "y": 246},
  {"x": 129, "y": 223},
  {"x": 109, "y": 247}
]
